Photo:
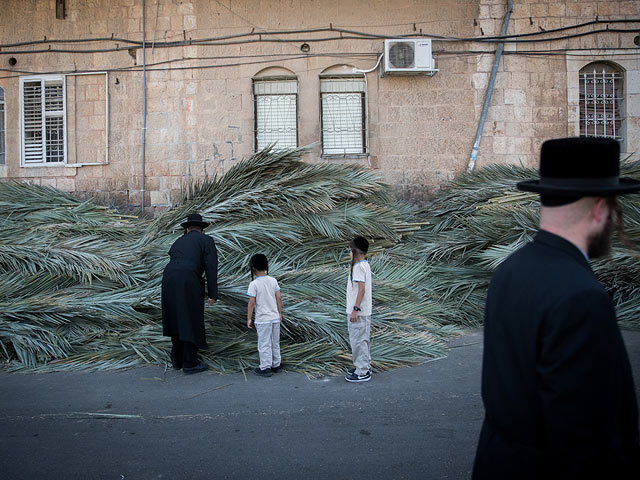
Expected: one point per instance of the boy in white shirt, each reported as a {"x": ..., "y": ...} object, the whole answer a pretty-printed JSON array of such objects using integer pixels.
[
  {"x": 264, "y": 296},
  {"x": 359, "y": 307}
]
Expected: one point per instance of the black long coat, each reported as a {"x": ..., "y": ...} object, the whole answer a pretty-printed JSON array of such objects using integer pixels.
[
  {"x": 183, "y": 286},
  {"x": 556, "y": 380}
]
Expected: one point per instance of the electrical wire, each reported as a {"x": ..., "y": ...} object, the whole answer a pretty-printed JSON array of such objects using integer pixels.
[
  {"x": 233, "y": 12},
  {"x": 627, "y": 52},
  {"x": 352, "y": 34},
  {"x": 305, "y": 40}
]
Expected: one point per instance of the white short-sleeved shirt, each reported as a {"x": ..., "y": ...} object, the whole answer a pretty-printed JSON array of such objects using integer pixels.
[
  {"x": 264, "y": 289},
  {"x": 361, "y": 273}
]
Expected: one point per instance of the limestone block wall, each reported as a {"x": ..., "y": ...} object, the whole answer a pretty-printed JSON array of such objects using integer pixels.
[
  {"x": 536, "y": 91},
  {"x": 199, "y": 96}
]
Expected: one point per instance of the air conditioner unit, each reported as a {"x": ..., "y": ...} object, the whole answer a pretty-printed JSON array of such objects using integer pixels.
[{"x": 408, "y": 56}]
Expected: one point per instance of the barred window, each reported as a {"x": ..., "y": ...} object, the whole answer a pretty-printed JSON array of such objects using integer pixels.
[
  {"x": 601, "y": 101},
  {"x": 2, "y": 128},
  {"x": 275, "y": 102},
  {"x": 42, "y": 110},
  {"x": 343, "y": 115}
]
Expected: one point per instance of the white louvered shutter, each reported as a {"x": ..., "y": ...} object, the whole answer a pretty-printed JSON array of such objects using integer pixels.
[
  {"x": 32, "y": 122},
  {"x": 43, "y": 125}
]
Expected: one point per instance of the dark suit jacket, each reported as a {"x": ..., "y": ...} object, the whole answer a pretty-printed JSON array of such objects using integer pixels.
[
  {"x": 182, "y": 292},
  {"x": 556, "y": 380}
]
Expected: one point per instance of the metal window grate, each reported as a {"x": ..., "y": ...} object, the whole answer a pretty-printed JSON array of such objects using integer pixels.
[
  {"x": 601, "y": 103},
  {"x": 2, "y": 128},
  {"x": 53, "y": 100},
  {"x": 55, "y": 139},
  {"x": 276, "y": 113},
  {"x": 342, "y": 123},
  {"x": 342, "y": 102},
  {"x": 43, "y": 125}
]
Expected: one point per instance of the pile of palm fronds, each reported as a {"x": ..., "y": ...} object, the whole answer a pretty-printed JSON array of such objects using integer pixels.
[
  {"x": 80, "y": 283},
  {"x": 481, "y": 218}
]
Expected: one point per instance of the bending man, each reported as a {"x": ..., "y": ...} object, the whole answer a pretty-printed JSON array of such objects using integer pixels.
[{"x": 182, "y": 293}]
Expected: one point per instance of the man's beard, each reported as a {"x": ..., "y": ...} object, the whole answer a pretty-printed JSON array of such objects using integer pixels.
[{"x": 599, "y": 244}]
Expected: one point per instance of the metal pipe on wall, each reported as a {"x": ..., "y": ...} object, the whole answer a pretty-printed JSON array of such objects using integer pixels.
[
  {"x": 144, "y": 99},
  {"x": 489, "y": 92}
]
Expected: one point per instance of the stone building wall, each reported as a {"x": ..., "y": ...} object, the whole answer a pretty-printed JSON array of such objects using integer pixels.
[
  {"x": 199, "y": 96},
  {"x": 536, "y": 96}
]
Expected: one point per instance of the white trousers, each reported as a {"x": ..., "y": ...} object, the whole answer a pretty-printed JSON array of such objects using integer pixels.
[
  {"x": 269, "y": 344},
  {"x": 360, "y": 340}
]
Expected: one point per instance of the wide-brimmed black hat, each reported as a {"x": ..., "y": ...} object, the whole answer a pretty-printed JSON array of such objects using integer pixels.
[
  {"x": 194, "y": 220},
  {"x": 580, "y": 167}
]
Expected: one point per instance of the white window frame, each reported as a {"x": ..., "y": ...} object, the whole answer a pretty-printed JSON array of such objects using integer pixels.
[
  {"x": 343, "y": 87},
  {"x": 44, "y": 79},
  {"x": 275, "y": 128},
  {"x": 3, "y": 129}
]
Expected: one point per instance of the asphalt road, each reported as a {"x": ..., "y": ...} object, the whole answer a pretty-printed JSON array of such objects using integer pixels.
[{"x": 419, "y": 422}]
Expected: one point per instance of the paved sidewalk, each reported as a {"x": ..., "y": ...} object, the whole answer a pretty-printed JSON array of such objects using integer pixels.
[{"x": 420, "y": 422}]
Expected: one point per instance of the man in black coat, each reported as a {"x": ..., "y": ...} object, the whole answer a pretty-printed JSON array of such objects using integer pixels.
[
  {"x": 183, "y": 293},
  {"x": 556, "y": 380}
]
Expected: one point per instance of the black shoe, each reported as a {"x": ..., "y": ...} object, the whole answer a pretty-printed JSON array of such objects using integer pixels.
[
  {"x": 351, "y": 371},
  {"x": 263, "y": 373},
  {"x": 201, "y": 367},
  {"x": 176, "y": 367},
  {"x": 276, "y": 369},
  {"x": 354, "y": 377}
]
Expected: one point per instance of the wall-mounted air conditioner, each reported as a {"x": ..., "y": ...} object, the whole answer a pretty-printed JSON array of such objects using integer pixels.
[{"x": 408, "y": 56}]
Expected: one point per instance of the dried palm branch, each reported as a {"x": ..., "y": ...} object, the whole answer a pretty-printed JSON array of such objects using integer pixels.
[
  {"x": 82, "y": 282},
  {"x": 481, "y": 218}
]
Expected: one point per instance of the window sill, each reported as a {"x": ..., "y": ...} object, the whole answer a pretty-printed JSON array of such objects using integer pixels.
[
  {"x": 346, "y": 156},
  {"x": 40, "y": 165}
]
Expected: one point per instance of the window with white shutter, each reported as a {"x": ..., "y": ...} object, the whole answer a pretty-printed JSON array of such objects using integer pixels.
[
  {"x": 343, "y": 115},
  {"x": 42, "y": 120},
  {"x": 275, "y": 112},
  {"x": 2, "y": 128}
]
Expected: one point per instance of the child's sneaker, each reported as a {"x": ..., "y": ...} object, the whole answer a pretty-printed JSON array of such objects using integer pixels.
[
  {"x": 354, "y": 377},
  {"x": 263, "y": 373},
  {"x": 353, "y": 370},
  {"x": 276, "y": 369}
]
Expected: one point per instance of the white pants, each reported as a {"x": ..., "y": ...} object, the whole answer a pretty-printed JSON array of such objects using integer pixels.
[
  {"x": 360, "y": 340},
  {"x": 269, "y": 344}
]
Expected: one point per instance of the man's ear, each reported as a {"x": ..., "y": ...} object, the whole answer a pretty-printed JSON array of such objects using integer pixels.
[{"x": 600, "y": 210}]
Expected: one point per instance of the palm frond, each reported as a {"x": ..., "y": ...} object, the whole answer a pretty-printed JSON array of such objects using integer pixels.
[{"x": 80, "y": 283}]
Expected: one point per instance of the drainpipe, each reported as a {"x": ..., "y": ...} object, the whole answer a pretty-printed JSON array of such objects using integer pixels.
[
  {"x": 144, "y": 100},
  {"x": 489, "y": 92}
]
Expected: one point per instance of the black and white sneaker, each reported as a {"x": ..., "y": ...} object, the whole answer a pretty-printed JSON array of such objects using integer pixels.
[
  {"x": 354, "y": 377},
  {"x": 263, "y": 373},
  {"x": 353, "y": 370}
]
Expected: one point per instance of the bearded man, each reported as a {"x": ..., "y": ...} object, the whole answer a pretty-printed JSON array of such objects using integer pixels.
[
  {"x": 191, "y": 256},
  {"x": 556, "y": 380}
]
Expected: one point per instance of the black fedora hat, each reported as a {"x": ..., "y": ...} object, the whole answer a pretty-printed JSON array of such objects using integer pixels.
[
  {"x": 194, "y": 220},
  {"x": 580, "y": 167}
]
